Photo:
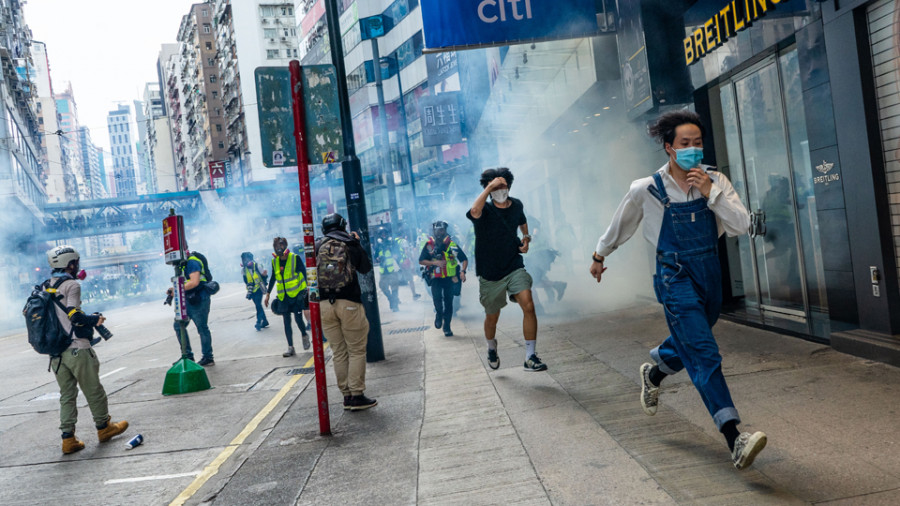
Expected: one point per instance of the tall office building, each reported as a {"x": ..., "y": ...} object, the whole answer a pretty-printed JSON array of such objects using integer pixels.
[{"x": 121, "y": 136}]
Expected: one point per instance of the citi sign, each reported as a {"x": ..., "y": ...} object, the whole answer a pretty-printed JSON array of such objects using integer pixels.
[
  {"x": 491, "y": 11},
  {"x": 466, "y": 24}
]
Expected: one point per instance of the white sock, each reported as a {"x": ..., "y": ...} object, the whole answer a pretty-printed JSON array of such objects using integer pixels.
[
  {"x": 529, "y": 348},
  {"x": 492, "y": 344}
]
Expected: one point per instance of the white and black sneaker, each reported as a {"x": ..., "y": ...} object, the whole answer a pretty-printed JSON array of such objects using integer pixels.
[
  {"x": 534, "y": 364},
  {"x": 746, "y": 447},
  {"x": 493, "y": 359},
  {"x": 649, "y": 392}
]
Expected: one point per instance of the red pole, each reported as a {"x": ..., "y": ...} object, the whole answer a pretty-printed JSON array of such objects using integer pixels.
[{"x": 309, "y": 247}]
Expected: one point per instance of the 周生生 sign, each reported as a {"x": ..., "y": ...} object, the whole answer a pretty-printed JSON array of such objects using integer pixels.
[{"x": 461, "y": 24}]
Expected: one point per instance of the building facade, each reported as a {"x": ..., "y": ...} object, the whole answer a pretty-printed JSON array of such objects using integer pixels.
[{"x": 122, "y": 135}]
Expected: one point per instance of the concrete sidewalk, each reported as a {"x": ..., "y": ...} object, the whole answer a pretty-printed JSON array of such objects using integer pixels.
[{"x": 448, "y": 430}]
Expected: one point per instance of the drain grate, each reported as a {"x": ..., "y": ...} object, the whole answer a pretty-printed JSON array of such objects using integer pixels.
[
  {"x": 301, "y": 370},
  {"x": 411, "y": 329}
]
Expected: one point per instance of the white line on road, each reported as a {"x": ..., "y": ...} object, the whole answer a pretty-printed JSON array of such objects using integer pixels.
[
  {"x": 150, "y": 478},
  {"x": 110, "y": 373}
]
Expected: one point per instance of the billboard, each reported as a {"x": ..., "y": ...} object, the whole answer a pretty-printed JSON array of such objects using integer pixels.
[{"x": 462, "y": 24}]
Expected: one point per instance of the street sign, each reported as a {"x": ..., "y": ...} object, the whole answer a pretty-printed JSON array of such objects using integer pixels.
[
  {"x": 466, "y": 24},
  {"x": 276, "y": 123},
  {"x": 441, "y": 119},
  {"x": 371, "y": 27},
  {"x": 323, "y": 114}
]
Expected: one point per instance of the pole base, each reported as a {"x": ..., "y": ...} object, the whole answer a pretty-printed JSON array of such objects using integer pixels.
[{"x": 185, "y": 377}]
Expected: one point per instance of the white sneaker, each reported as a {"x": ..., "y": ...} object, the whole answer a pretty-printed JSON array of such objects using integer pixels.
[
  {"x": 746, "y": 446},
  {"x": 649, "y": 392},
  {"x": 289, "y": 353}
]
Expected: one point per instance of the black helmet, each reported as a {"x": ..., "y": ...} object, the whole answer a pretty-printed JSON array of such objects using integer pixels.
[
  {"x": 383, "y": 231},
  {"x": 246, "y": 257},
  {"x": 333, "y": 222},
  {"x": 439, "y": 225}
]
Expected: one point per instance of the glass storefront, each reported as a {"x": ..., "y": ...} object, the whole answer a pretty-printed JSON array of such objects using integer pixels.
[{"x": 777, "y": 275}]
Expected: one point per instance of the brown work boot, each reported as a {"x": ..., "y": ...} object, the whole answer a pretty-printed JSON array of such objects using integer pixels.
[
  {"x": 111, "y": 430},
  {"x": 71, "y": 445}
]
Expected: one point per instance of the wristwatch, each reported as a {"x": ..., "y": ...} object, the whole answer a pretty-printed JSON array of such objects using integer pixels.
[
  {"x": 526, "y": 236},
  {"x": 594, "y": 258}
]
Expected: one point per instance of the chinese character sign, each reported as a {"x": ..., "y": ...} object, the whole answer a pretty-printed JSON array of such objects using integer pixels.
[
  {"x": 441, "y": 119},
  {"x": 217, "y": 175}
]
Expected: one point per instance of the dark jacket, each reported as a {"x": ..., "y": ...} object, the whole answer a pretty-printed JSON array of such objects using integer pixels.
[{"x": 360, "y": 261}]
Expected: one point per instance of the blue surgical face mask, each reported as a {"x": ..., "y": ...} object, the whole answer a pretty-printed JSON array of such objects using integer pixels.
[{"x": 688, "y": 158}]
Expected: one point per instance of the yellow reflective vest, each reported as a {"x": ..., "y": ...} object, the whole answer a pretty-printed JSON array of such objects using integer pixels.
[
  {"x": 252, "y": 279},
  {"x": 291, "y": 281}
]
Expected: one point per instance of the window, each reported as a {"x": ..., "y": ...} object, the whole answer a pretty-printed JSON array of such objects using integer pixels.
[
  {"x": 218, "y": 127},
  {"x": 218, "y": 111},
  {"x": 271, "y": 54},
  {"x": 270, "y": 33},
  {"x": 287, "y": 11},
  {"x": 295, "y": 53},
  {"x": 266, "y": 10},
  {"x": 212, "y": 78},
  {"x": 207, "y": 28},
  {"x": 215, "y": 94},
  {"x": 209, "y": 45},
  {"x": 204, "y": 13},
  {"x": 221, "y": 145},
  {"x": 293, "y": 32},
  {"x": 286, "y": 32},
  {"x": 210, "y": 62}
]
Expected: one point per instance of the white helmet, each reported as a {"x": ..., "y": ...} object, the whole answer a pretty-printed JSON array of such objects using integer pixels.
[{"x": 60, "y": 256}]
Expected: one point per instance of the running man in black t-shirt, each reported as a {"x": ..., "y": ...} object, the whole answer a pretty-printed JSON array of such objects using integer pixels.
[{"x": 498, "y": 262}]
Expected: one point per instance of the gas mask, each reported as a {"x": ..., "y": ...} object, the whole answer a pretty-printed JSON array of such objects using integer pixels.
[
  {"x": 81, "y": 275},
  {"x": 280, "y": 250}
]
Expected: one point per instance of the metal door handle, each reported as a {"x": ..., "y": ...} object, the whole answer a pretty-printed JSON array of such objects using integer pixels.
[{"x": 758, "y": 223}]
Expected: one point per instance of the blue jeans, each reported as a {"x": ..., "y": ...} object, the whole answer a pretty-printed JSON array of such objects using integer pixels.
[
  {"x": 691, "y": 310},
  {"x": 261, "y": 319},
  {"x": 199, "y": 313}
]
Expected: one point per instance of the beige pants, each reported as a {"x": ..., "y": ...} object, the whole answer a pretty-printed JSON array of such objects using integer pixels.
[{"x": 345, "y": 326}]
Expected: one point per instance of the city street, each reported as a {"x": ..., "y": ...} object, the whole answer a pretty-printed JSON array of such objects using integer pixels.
[{"x": 447, "y": 429}]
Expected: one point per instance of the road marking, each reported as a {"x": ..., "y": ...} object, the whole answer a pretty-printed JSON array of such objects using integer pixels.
[
  {"x": 214, "y": 466},
  {"x": 110, "y": 373},
  {"x": 150, "y": 478}
]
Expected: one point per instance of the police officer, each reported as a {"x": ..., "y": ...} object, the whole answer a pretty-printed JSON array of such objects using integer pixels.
[
  {"x": 292, "y": 297},
  {"x": 255, "y": 281},
  {"x": 442, "y": 257},
  {"x": 389, "y": 255}
]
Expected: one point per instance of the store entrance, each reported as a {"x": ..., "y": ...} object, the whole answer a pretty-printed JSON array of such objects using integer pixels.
[{"x": 776, "y": 271}]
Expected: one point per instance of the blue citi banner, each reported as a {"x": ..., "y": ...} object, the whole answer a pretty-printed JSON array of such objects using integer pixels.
[{"x": 458, "y": 24}]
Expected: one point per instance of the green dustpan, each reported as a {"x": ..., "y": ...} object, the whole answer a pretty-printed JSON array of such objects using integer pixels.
[{"x": 185, "y": 376}]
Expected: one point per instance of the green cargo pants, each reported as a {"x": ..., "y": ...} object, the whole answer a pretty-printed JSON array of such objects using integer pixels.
[{"x": 79, "y": 368}]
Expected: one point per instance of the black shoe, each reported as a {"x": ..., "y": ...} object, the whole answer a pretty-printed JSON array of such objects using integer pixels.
[
  {"x": 534, "y": 364},
  {"x": 360, "y": 402},
  {"x": 447, "y": 331},
  {"x": 206, "y": 361},
  {"x": 493, "y": 359},
  {"x": 416, "y": 296},
  {"x": 347, "y": 402},
  {"x": 438, "y": 321}
]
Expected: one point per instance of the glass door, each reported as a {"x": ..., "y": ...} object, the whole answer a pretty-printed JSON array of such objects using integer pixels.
[{"x": 778, "y": 264}]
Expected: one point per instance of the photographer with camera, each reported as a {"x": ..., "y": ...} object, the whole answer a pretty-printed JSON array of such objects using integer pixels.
[
  {"x": 78, "y": 366},
  {"x": 197, "y": 300}
]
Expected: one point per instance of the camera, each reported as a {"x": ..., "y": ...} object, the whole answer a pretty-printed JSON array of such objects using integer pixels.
[{"x": 168, "y": 300}]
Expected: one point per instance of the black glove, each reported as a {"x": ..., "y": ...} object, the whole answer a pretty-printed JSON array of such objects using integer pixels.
[{"x": 249, "y": 296}]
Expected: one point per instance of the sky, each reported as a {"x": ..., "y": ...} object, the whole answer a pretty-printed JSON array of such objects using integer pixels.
[{"x": 106, "y": 48}]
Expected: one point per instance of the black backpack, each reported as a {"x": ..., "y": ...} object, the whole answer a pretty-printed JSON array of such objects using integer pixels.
[
  {"x": 205, "y": 263},
  {"x": 45, "y": 332}
]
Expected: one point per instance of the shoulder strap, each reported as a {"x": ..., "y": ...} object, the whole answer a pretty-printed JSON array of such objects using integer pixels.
[{"x": 659, "y": 190}]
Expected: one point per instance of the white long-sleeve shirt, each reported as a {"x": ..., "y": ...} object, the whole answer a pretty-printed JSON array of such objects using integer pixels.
[{"x": 639, "y": 204}]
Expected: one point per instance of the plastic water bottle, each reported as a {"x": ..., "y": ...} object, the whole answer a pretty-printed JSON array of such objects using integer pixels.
[{"x": 135, "y": 441}]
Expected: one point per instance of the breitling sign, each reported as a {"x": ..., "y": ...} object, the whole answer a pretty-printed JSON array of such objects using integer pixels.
[
  {"x": 735, "y": 16},
  {"x": 824, "y": 168}
]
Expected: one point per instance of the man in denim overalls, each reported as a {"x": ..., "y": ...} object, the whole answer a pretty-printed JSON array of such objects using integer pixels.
[{"x": 685, "y": 208}]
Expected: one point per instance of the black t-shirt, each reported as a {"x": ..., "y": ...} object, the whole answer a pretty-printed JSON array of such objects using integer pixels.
[{"x": 497, "y": 240}]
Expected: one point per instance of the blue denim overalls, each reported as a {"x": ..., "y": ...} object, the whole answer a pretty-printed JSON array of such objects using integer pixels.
[{"x": 688, "y": 283}]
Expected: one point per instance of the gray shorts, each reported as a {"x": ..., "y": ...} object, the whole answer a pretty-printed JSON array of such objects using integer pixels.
[{"x": 493, "y": 293}]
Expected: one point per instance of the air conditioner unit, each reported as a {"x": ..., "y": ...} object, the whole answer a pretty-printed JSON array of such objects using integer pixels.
[
  {"x": 283, "y": 39},
  {"x": 272, "y": 39},
  {"x": 265, "y": 21}
]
